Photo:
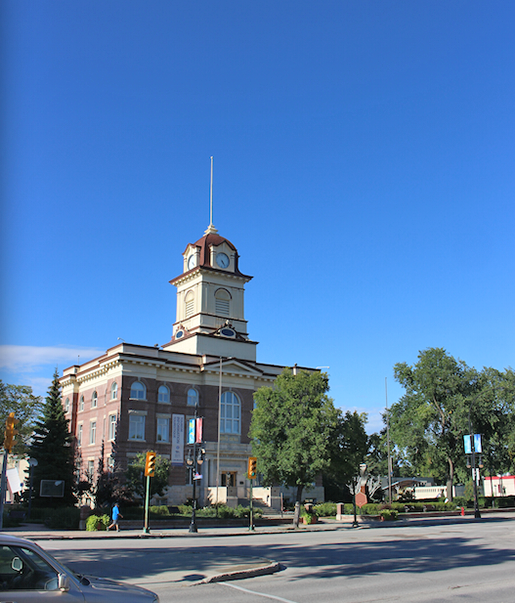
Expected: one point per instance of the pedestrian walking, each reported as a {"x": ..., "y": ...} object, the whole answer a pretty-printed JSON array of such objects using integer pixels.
[{"x": 115, "y": 517}]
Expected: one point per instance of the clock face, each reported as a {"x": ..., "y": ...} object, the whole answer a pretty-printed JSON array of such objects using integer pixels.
[
  {"x": 222, "y": 260},
  {"x": 192, "y": 261}
]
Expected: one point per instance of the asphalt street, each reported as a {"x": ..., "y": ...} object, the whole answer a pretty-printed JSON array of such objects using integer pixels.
[{"x": 471, "y": 561}]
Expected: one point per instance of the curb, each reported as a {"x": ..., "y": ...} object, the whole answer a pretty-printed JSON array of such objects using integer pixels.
[{"x": 272, "y": 568}]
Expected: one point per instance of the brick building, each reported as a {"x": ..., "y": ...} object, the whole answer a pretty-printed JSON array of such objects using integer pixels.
[{"x": 137, "y": 398}]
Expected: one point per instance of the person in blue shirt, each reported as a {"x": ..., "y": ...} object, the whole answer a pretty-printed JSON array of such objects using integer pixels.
[{"x": 115, "y": 516}]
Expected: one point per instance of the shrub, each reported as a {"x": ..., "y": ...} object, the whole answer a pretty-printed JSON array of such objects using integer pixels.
[
  {"x": 327, "y": 509},
  {"x": 185, "y": 509},
  {"x": 66, "y": 518},
  {"x": 389, "y": 514},
  {"x": 159, "y": 510},
  {"x": 460, "y": 501},
  {"x": 97, "y": 522}
]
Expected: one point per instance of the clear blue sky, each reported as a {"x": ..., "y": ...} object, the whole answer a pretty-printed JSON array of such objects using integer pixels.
[{"x": 364, "y": 168}]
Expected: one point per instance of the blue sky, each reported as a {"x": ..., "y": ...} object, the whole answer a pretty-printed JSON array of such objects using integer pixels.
[{"x": 364, "y": 168}]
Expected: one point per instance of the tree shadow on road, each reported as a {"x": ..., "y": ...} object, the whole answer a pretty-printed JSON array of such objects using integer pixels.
[{"x": 397, "y": 554}]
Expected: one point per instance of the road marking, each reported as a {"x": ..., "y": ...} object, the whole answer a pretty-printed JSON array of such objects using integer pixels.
[{"x": 253, "y": 592}]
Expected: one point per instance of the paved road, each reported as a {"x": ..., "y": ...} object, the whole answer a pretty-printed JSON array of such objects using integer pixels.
[{"x": 472, "y": 562}]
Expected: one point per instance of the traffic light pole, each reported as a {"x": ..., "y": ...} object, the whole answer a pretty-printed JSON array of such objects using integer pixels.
[
  {"x": 146, "y": 529},
  {"x": 3, "y": 489},
  {"x": 251, "y": 514}
]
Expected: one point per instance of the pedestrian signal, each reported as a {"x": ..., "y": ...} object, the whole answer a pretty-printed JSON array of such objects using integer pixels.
[
  {"x": 150, "y": 464},
  {"x": 252, "y": 468},
  {"x": 10, "y": 432}
]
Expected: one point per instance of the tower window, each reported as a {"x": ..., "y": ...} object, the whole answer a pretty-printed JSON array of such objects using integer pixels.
[
  {"x": 190, "y": 304},
  {"x": 222, "y": 302},
  {"x": 230, "y": 413}
]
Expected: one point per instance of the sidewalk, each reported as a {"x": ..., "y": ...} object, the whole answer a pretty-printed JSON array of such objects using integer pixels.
[{"x": 184, "y": 568}]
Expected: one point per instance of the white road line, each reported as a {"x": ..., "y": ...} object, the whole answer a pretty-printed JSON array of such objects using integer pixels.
[{"x": 253, "y": 592}]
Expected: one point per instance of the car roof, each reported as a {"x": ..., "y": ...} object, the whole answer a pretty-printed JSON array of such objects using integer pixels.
[{"x": 8, "y": 539}]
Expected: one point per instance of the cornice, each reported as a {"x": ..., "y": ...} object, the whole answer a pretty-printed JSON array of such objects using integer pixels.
[{"x": 199, "y": 271}]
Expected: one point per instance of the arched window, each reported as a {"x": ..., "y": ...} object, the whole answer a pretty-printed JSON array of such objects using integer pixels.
[
  {"x": 114, "y": 390},
  {"x": 190, "y": 303},
  {"x": 67, "y": 405},
  {"x": 94, "y": 400},
  {"x": 138, "y": 391},
  {"x": 230, "y": 413},
  {"x": 222, "y": 302},
  {"x": 163, "y": 394},
  {"x": 192, "y": 397}
]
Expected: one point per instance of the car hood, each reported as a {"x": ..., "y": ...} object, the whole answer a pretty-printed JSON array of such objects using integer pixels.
[{"x": 102, "y": 589}]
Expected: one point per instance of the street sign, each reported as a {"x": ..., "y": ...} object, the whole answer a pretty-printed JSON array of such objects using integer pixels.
[{"x": 361, "y": 499}]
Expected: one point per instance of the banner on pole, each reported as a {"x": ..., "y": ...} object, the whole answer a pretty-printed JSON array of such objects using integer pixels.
[
  {"x": 198, "y": 438},
  {"x": 191, "y": 431},
  {"x": 177, "y": 440},
  {"x": 468, "y": 444}
]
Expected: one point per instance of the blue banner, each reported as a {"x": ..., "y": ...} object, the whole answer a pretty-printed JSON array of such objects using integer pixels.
[{"x": 191, "y": 431}]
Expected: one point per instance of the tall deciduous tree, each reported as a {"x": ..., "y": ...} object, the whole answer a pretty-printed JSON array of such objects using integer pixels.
[
  {"x": 350, "y": 446},
  {"x": 52, "y": 447},
  {"x": 291, "y": 430},
  {"x": 429, "y": 421},
  {"x": 26, "y": 407}
]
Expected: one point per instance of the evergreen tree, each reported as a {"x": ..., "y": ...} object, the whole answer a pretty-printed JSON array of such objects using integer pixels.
[{"x": 52, "y": 447}]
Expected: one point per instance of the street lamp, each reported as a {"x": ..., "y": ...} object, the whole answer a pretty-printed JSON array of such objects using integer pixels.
[
  {"x": 477, "y": 514},
  {"x": 194, "y": 461},
  {"x": 33, "y": 463}
]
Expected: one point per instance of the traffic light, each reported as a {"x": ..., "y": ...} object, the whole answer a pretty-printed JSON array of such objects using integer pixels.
[
  {"x": 252, "y": 469},
  {"x": 150, "y": 464},
  {"x": 10, "y": 432}
]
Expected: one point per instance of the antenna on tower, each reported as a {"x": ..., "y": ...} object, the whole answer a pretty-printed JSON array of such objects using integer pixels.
[{"x": 211, "y": 228}]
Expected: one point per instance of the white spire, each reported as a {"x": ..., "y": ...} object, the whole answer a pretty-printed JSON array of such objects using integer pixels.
[{"x": 211, "y": 228}]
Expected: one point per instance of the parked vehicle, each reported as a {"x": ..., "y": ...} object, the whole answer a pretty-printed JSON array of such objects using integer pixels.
[{"x": 29, "y": 574}]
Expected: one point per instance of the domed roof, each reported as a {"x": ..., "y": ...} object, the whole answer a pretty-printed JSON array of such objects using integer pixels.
[{"x": 212, "y": 239}]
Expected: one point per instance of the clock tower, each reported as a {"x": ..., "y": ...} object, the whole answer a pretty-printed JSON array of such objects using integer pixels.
[{"x": 210, "y": 301}]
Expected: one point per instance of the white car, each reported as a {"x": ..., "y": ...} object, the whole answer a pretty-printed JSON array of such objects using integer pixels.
[{"x": 29, "y": 574}]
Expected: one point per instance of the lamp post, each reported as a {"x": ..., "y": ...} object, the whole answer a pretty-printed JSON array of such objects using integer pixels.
[
  {"x": 33, "y": 463},
  {"x": 477, "y": 514},
  {"x": 194, "y": 462}
]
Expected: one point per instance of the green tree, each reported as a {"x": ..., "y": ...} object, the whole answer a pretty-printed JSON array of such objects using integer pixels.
[
  {"x": 493, "y": 416},
  {"x": 291, "y": 429},
  {"x": 350, "y": 446},
  {"x": 429, "y": 421},
  {"x": 136, "y": 481},
  {"x": 52, "y": 447},
  {"x": 26, "y": 407}
]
